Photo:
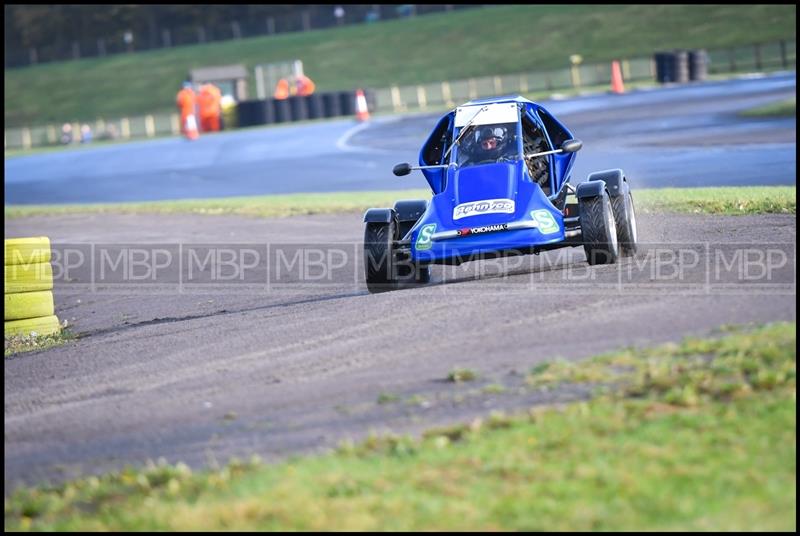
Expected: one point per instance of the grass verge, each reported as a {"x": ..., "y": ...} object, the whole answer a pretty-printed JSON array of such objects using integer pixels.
[
  {"x": 722, "y": 200},
  {"x": 695, "y": 436},
  {"x": 787, "y": 108},
  {"x": 20, "y": 344},
  {"x": 719, "y": 200}
]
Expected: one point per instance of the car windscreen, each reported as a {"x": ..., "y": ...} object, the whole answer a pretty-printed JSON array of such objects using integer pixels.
[{"x": 488, "y": 144}]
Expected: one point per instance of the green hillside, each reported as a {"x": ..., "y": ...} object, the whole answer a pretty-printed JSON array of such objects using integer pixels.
[{"x": 475, "y": 42}]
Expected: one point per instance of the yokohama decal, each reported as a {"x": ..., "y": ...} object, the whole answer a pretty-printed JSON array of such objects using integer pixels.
[{"x": 484, "y": 229}]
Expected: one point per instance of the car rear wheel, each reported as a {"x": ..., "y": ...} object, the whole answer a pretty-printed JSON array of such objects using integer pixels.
[
  {"x": 598, "y": 229},
  {"x": 625, "y": 220}
]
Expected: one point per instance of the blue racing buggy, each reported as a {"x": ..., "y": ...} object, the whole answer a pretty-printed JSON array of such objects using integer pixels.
[{"x": 499, "y": 170}]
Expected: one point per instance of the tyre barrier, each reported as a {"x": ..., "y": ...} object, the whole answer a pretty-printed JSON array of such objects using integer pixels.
[
  {"x": 250, "y": 113},
  {"x": 298, "y": 107},
  {"x": 317, "y": 106},
  {"x": 26, "y": 250},
  {"x": 698, "y": 64},
  {"x": 46, "y": 325},
  {"x": 331, "y": 105},
  {"x": 315, "y": 110},
  {"x": 28, "y": 277},
  {"x": 22, "y": 305},
  {"x": 681, "y": 66},
  {"x": 347, "y": 102},
  {"x": 28, "y": 282},
  {"x": 283, "y": 113}
]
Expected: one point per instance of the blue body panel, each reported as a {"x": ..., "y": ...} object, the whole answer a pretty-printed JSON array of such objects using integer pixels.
[{"x": 506, "y": 181}]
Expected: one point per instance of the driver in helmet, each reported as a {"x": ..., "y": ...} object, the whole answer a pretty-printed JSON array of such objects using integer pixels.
[{"x": 491, "y": 142}]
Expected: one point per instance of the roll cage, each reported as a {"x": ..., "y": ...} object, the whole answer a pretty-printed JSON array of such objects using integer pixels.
[{"x": 554, "y": 133}]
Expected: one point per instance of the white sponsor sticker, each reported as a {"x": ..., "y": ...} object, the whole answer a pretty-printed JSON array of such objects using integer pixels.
[{"x": 487, "y": 206}]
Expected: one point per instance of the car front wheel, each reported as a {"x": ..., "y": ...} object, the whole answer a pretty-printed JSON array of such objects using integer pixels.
[{"x": 379, "y": 257}]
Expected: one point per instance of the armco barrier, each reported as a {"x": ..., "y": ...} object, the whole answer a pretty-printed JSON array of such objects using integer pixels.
[{"x": 28, "y": 282}]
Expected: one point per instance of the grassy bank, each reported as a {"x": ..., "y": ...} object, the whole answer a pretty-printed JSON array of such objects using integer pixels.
[
  {"x": 693, "y": 436},
  {"x": 722, "y": 200},
  {"x": 426, "y": 49},
  {"x": 787, "y": 108}
]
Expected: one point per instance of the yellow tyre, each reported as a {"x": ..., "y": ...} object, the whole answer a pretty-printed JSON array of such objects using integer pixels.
[
  {"x": 26, "y": 250},
  {"x": 28, "y": 305},
  {"x": 27, "y": 277},
  {"x": 47, "y": 325}
]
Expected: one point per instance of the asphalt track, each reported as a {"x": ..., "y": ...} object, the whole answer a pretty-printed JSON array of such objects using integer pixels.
[
  {"x": 278, "y": 349},
  {"x": 676, "y": 136},
  {"x": 294, "y": 356}
]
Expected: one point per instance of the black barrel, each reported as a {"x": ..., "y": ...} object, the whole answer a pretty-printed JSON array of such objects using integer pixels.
[
  {"x": 331, "y": 105},
  {"x": 283, "y": 112},
  {"x": 665, "y": 63},
  {"x": 250, "y": 113},
  {"x": 348, "y": 102},
  {"x": 269, "y": 111},
  {"x": 681, "y": 66},
  {"x": 314, "y": 106},
  {"x": 298, "y": 108},
  {"x": 698, "y": 64}
]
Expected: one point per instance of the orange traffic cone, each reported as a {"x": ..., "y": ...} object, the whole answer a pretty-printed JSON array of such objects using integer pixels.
[
  {"x": 362, "y": 112},
  {"x": 616, "y": 78},
  {"x": 191, "y": 128}
]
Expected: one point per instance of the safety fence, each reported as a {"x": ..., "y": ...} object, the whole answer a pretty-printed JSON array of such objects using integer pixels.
[
  {"x": 124, "y": 128},
  {"x": 398, "y": 99},
  {"x": 757, "y": 57}
]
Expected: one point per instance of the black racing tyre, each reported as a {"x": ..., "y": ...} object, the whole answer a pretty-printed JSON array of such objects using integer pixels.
[
  {"x": 379, "y": 257},
  {"x": 625, "y": 220},
  {"x": 598, "y": 229}
]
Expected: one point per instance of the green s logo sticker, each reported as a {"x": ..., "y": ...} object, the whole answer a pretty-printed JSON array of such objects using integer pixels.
[
  {"x": 424, "y": 237},
  {"x": 547, "y": 224}
]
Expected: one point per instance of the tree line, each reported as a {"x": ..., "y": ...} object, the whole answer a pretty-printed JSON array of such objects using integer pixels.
[{"x": 62, "y": 26}]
